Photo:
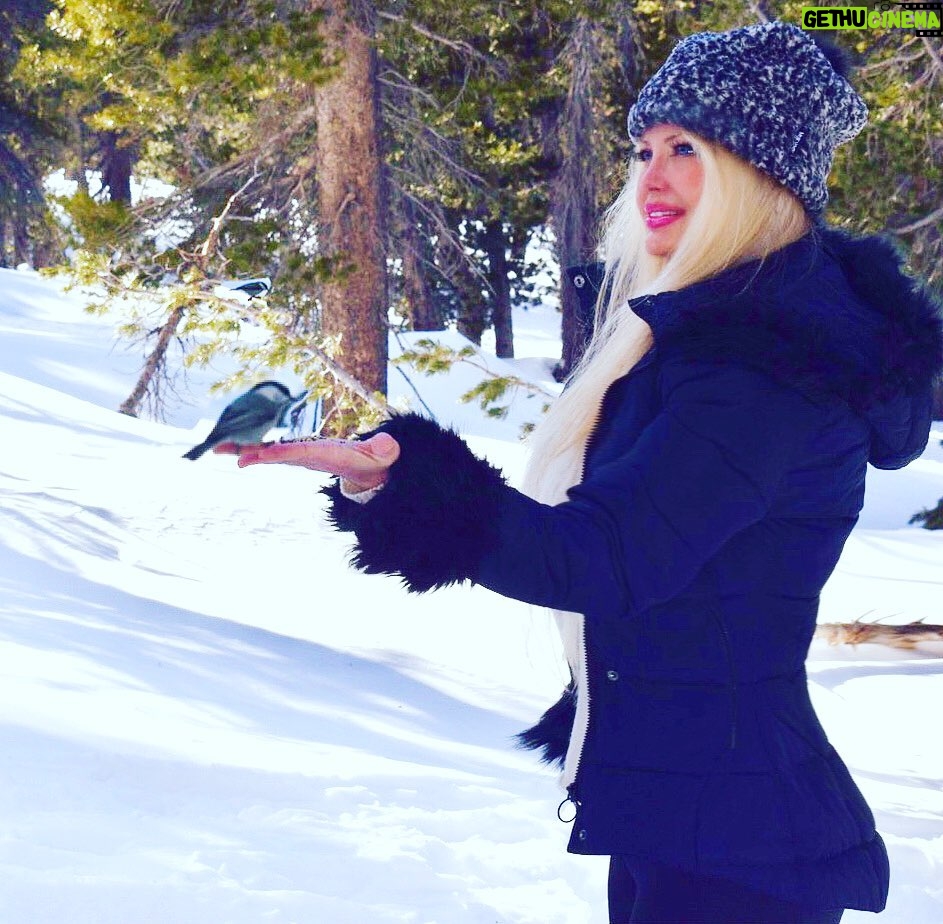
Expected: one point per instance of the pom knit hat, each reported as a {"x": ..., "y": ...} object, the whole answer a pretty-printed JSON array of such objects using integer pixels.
[{"x": 768, "y": 93}]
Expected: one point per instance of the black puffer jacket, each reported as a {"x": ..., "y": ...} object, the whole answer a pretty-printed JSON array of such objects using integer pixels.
[{"x": 720, "y": 485}]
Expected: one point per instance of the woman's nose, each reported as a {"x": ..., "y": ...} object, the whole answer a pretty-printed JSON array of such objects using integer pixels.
[{"x": 653, "y": 176}]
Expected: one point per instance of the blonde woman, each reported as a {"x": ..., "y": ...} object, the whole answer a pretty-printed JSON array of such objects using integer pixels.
[{"x": 690, "y": 493}]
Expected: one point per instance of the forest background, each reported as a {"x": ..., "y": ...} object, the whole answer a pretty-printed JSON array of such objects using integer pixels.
[{"x": 379, "y": 163}]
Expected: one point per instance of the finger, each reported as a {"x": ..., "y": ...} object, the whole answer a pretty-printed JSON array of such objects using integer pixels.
[
  {"x": 382, "y": 447},
  {"x": 321, "y": 455},
  {"x": 363, "y": 462},
  {"x": 271, "y": 453},
  {"x": 227, "y": 449}
]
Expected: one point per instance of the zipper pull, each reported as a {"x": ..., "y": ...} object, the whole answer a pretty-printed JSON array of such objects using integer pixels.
[{"x": 572, "y": 800}]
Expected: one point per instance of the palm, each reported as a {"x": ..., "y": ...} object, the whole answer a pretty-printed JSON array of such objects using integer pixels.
[{"x": 362, "y": 463}]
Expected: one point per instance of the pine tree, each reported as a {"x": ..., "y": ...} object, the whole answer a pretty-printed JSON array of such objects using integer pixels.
[
  {"x": 350, "y": 213},
  {"x": 597, "y": 65},
  {"x": 25, "y": 136},
  {"x": 496, "y": 122}
]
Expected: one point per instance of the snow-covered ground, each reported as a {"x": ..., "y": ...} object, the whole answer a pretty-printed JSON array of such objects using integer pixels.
[{"x": 206, "y": 716}]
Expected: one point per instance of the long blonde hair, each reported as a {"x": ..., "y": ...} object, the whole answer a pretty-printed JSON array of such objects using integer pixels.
[{"x": 741, "y": 215}]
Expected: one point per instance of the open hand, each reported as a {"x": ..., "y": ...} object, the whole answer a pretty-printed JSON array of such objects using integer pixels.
[{"x": 362, "y": 464}]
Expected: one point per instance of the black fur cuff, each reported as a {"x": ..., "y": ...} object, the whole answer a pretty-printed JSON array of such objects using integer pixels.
[{"x": 437, "y": 514}]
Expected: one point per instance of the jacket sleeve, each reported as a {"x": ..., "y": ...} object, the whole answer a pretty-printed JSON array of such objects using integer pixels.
[
  {"x": 638, "y": 529},
  {"x": 437, "y": 515}
]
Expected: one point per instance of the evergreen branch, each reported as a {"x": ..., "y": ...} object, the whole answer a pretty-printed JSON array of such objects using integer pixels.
[
  {"x": 433, "y": 358},
  {"x": 434, "y": 143},
  {"x": 409, "y": 381},
  {"x": 931, "y": 519},
  {"x": 512, "y": 380}
]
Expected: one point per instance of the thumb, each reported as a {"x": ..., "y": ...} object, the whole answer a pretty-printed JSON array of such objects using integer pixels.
[{"x": 383, "y": 447}]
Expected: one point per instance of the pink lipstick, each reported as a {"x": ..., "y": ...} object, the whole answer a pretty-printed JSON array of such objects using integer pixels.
[{"x": 659, "y": 216}]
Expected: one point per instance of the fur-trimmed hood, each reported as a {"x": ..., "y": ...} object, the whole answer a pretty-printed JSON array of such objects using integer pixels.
[{"x": 829, "y": 314}]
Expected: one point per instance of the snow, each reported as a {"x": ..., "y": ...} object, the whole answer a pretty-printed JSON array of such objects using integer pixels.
[{"x": 205, "y": 715}]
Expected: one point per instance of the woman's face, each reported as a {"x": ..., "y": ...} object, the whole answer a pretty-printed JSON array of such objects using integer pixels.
[{"x": 669, "y": 186}]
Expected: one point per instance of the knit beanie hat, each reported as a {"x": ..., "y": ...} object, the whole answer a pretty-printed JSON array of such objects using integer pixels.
[{"x": 768, "y": 93}]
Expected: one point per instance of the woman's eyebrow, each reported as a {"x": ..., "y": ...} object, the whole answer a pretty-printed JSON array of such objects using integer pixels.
[{"x": 672, "y": 137}]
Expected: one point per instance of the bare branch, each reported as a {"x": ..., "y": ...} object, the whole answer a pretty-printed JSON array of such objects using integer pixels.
[
  {"x": 759, "y": 10},
  {"x": 898, "y": 60},
  {"x": 934, "y": 54},
  {"x": 447, "y": 237},
  {"x": 212, "y": 239},
  {"x": 935, "y": 215},
  {"x": 396, "y": 81},
  {"x": 463, "y": 48},
  {"x": 155, "y": 364},
  {"x": 273, "y": 143}
]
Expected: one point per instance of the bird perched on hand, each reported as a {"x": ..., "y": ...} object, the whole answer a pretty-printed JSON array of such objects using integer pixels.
[{"x": 247, "y": 419}]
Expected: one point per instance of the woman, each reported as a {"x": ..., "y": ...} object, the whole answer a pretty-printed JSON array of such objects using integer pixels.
[{"x": 690, "y": 493}]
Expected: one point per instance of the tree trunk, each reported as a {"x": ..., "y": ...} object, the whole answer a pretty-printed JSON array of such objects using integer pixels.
[
  {"x": 350, "y": 230},
  {"x": 21, "y": 251},
  {"x": 116, "y": 163},
  {"x": 473, "y": 308},
  {"x": 78, "y": 171},
  {"x": 575, "y": 190},
  {"x": 421, "y": 305},
  {"x": 495, "y": 247},
  {"x": 44, "y": 248}
]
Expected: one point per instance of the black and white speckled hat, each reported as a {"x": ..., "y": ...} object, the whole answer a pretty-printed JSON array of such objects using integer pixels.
[{"x": 768, "y": 93}]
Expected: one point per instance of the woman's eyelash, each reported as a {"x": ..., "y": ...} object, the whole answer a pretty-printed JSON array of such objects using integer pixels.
[{"x": 680, "y": 148}]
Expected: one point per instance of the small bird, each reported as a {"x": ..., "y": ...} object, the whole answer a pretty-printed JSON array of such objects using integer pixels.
[{"x": 247, "y": 419}]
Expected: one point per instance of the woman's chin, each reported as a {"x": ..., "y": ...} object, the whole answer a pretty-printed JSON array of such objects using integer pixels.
[
  {"x": 659, "y": 248},
  {"x": 663, "y": 242}
]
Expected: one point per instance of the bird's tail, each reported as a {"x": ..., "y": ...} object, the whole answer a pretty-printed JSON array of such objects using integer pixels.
[{"x": 197, "y": 451}]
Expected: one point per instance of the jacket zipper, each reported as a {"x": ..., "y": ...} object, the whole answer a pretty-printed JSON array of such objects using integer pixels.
[
  {"x": 583, "y": 698},
  {"x": 574, "y": 755}
]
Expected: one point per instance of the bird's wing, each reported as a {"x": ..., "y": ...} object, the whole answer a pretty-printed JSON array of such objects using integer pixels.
[{"x": 235, "y": 419}]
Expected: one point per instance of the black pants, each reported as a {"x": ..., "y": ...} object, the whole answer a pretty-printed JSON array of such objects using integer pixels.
[{"x": 647, "y": 893}]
